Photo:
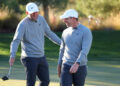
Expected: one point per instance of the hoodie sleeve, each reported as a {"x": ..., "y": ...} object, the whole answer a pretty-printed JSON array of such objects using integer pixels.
[
  {"x": 61, "y": 52},
  {"x": 86, "y": 45},
  {"x": 18, "y": 36},
  {"x": 51, "y": 35}
]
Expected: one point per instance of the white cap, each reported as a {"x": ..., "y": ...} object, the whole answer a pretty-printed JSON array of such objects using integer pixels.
[
  {"x": 69, "y": 13},
  {"x": 31, "y": 8},
  {"x": 90, "y": 16}
]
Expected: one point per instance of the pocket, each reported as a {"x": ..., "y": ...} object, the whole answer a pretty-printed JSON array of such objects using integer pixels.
[
  {"x": 65, "y": 68},
  {"x": 24, "y": 60}
]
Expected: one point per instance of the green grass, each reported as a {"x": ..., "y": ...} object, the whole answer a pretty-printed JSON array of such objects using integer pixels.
[{"x": 103, "y": 64}]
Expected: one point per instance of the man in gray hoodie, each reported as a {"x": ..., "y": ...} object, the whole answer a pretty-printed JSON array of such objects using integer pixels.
[
  {"x": 75, "y": 46},
  {"x": 30, "y": 32}
]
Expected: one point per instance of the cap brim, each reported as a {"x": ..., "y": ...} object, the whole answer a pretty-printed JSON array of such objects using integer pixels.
[
  {"x": 63, "y": 17},
  {"x": 30, "y": 12}
]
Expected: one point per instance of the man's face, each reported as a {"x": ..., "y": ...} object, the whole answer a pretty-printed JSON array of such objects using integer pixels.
[
  {"x": 69, "y": 21},
  {"x": 34, "y": 16}
]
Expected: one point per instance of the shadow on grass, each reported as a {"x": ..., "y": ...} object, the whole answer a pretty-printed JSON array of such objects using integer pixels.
[
  {"x": 103, "y": 73},
  {"x": 100, "y": 73}
]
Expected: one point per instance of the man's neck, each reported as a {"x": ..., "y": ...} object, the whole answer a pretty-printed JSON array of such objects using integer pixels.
[
  {"x": 75, "y": 24},
  {"x": 32, "y": 19}
]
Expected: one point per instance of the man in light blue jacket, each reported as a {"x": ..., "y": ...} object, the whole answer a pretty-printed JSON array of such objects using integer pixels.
[
  {"x": 75, "y": 45},
  {"x": 30, "y": 32}
]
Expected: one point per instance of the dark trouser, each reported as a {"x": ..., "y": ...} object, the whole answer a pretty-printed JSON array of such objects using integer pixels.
[
  {"x": 77, "y": 79},
  {"x": 36, "y": 67}
]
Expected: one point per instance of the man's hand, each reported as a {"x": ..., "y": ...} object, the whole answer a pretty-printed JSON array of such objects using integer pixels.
[
  {"x": 11, "y": 61},
  {"x": 74, "y": 68},
  {"x": 59, "y": 70}
]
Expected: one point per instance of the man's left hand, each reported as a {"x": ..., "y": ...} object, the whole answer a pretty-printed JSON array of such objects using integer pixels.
[{"x": 74, "y": 68}]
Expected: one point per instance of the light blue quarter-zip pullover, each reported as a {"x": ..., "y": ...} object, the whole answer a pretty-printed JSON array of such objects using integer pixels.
[
  {"x": 31, "y": 35},
  {"x": 75, "y": 45}
]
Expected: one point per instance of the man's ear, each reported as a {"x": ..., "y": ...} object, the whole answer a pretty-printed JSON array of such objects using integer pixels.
[{"x": 27, "y": 13}]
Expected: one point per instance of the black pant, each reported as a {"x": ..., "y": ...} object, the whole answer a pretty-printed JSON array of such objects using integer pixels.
[
  {"x": 36, "y": 67},
  {"x": 77, "y": 79}
]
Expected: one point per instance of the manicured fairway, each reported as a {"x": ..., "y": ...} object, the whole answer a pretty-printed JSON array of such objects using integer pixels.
[{"x": 103, "y": 64}]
